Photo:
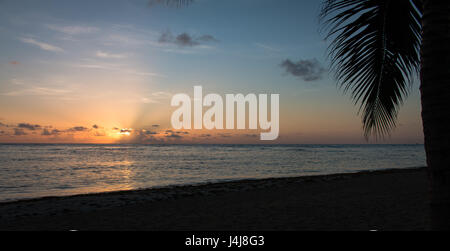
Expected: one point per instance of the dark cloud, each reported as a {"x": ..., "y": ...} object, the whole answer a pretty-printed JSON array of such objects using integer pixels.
[
  {"x": 126, "y": 131},
  {"x": 146, "y": 132},
  {"x": 95, "y": 126},
  {"x": 174, "y": 136},
  {"x": 184, "y": 39},
  {"x": 155, "y": 126},
  {"x": 207, "y": 38},
  {"x": 308, "y": 70},
  {"x": 28, "y": 126},
  {"x": 78, "y": 129},
  {"x": 140, "y": 136},
  {"x": 116, "y": 129},
  {"x": 53, "y": 132},
  {"x": 19, "y": 132}
]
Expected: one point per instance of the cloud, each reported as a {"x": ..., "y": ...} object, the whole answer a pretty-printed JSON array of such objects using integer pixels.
[
  {"x": 156, "y": 97},
  {"x": 185, "y": 40},
  {"x": 116, "y": 68},
  {"x": 267, "y": 47},
  {"x": 308, "y": 70},
  {"x": 138, "y": 136},
  {"x": 207, "y": 38},
  {"x": 37, "y": 91},
  {"x": 41, "y": 45},
  {"x": 149, "y": 101},
  {"x": 156, "y": 126},
  {"x": 78, "y": 129},
  {"x": 14, "y": 63},
  {"x": 174, "y": 136},
  {"x": 53, "y": 132},
  {"x": 108, "y": 55},
  {"x": 28, "y": 126},
  {"x": 73, "y": 30},
  {"x": 19, "y": 132},
  {"x": 95, "y": 126},
  {"x": 126, "y": 131}
]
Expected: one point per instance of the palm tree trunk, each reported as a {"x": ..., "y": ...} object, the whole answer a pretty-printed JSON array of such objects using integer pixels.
[{"x": 435, "y": 89}]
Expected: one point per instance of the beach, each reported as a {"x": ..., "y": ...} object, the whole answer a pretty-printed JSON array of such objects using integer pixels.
[{"x": 379, "y": 200}]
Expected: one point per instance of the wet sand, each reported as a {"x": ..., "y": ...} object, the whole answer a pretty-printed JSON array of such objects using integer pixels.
[{"x": 383, "y": 200}]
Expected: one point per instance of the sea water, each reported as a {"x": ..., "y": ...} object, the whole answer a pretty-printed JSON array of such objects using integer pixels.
[{"x": 35, "y": 170}]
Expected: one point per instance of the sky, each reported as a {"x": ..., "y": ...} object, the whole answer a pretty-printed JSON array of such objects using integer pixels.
[{"x": 105, "y": 72}]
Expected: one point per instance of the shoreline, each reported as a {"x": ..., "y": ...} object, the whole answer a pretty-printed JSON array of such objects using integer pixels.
[
  {"x": 283, "y": 194},
  {"x": 212, "y": 183}
]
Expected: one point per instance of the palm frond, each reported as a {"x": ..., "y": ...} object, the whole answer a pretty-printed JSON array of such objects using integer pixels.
[
  {"x": 375, "y": 54},
  {"x": 171, "y": 3}
]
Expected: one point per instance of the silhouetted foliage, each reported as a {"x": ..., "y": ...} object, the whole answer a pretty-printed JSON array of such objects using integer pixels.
[
  {"x": 171, "y": 3},
  {"x": 375, "y": 54}
]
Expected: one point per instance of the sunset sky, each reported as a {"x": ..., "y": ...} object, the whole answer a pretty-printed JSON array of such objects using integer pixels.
[{"x": 105, "y": 71}]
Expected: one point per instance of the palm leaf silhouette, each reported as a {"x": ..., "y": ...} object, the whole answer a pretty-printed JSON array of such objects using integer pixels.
[
  {"x": 172, "y": 3},
  {"x": 375, "y": 54}
]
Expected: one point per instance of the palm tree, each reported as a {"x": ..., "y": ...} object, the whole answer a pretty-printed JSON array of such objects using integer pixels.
[{"x": 377, "y": 49}]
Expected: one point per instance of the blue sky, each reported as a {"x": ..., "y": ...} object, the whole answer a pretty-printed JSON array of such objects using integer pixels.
[{"x": 70, "y": 63}]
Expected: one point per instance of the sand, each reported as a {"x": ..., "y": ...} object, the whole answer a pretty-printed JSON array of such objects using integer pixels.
[{"x": 383, "y": 200}]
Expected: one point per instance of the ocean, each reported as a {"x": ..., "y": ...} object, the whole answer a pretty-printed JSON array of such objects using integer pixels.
[{"x": 40, "y": 170}]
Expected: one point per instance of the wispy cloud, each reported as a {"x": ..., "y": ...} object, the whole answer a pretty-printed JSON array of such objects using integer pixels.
[
  {"x": 73, "y": 30},
  {"x": 179, "y": 51},
  {"x": 102, "y": 54},
  {"x": 267, "y": 47},
  {"x": 126, "y": 40},
  {"x": 41, "y": 45},
  {"x": 116, "y": 68},
  {"x": 156, "y": 98},
  {"x": 37, "y": 91}
]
